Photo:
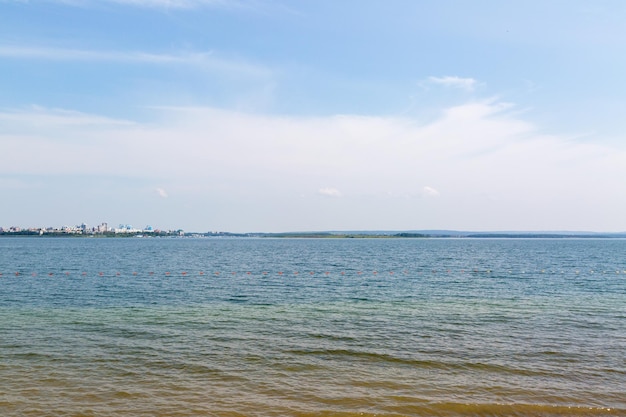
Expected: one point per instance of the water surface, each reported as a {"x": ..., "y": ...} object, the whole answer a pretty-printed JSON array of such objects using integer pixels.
[{"x": 300, "y": 327}]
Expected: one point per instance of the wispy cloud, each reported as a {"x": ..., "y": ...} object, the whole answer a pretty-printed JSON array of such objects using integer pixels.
[
  {"x": 206, "y": 60},
  {"x": 15, "y": 184},
  {"x": 65, "y": 54},
  {"x": 174, "y": 3},
  {"x": 329, "y": 192},
  {"x": 242, "y": 5},
  {"x": 467, "y": 84},
  {"x": 34, "y": 117}
]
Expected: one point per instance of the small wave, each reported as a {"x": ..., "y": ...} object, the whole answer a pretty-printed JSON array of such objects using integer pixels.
[
  {"x": 331, "y": 337},
  {"x": 473, "y": 410},
  {"x": 369, "y": 356},
  {"x": 504, "y": 410},
  {"x": 419, "y": 363}
]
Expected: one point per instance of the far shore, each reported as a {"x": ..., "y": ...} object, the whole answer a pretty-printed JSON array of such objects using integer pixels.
[{"x": 325, "y": 235}]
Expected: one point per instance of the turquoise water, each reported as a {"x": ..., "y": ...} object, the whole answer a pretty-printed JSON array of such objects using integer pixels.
[{"x": 306, "y": 327}]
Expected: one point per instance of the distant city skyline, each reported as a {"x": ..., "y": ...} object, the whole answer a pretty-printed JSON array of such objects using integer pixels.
[
  {"x": 276, "y": 116},
  {"x": 83, "y": 228}
]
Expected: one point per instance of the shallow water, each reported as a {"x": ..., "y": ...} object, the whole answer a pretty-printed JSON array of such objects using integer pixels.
[{"x": 299, "y": 327}]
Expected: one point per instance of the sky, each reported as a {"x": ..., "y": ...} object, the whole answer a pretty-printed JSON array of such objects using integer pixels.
[{"x": 273, "y": 116}]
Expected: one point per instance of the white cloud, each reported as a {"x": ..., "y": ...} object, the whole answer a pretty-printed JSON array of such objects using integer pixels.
[
  {"x": 161, "y": 192},
  {"x": 467, "y": 84},
  {"x": 329, "y": 192},
  {"x": 430, "y": 192},
  {"x": 497, "y": 169}
]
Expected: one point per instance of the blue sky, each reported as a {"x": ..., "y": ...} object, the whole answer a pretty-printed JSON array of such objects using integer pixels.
[{"x": 274, "y": 115}]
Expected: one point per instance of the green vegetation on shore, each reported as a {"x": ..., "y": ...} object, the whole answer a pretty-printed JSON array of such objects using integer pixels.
[{"x": 328, "y": 235}]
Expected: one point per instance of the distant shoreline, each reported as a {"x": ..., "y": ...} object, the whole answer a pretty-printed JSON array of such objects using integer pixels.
[{"x": 331, "y": 235}]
